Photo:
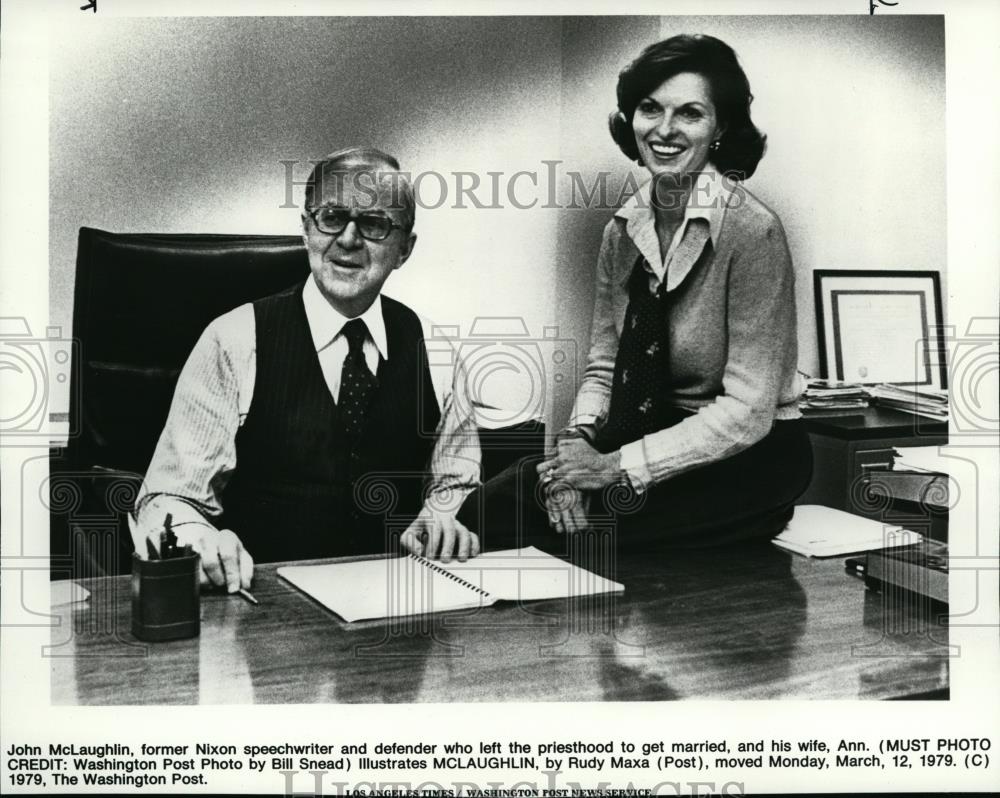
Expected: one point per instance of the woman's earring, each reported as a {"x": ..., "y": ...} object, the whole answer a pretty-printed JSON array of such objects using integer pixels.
[{"x": 714, "y": 146}]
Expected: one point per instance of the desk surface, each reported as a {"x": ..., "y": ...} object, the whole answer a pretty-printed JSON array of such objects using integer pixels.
[
  {"x": 873, "y": 422},
  {"x": 752, "y": 622}
]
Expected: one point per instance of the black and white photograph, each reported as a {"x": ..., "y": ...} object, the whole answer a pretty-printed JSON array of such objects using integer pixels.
[{"x": 506, "y": 400}]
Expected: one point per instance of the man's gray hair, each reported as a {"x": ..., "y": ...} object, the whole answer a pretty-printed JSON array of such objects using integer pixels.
[{"x": 376, "y": 166}]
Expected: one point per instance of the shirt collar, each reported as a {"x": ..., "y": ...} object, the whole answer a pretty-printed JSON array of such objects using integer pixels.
[
  {"x": 707, "y": 201},
  {"x": 326, "y": 322}
]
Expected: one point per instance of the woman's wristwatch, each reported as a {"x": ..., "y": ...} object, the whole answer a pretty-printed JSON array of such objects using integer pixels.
[{"x": 585, "y": 431}]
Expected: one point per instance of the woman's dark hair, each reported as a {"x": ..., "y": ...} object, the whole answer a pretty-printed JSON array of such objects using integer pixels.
[{"x": 741, "y": 145}]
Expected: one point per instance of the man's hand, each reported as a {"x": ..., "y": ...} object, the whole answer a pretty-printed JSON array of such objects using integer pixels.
[
  {"x": 567, "y": 508},
  {"x": 435, "y": 534},
  {"x": 581, "y": 466},
  {"x": 224, "y": 561}
]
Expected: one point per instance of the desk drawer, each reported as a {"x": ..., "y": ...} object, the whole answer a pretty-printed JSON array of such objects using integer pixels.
[
  {"x": 928, "y": 490},
  {"x": 877, "y": 459},
  {"x": 863, "y": 462}
]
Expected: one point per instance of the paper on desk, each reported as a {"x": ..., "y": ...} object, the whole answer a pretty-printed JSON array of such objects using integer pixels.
[
  {"x": 529, "y": 574},
  {"x": 394, "y": 587},
  {"x": 922, "y": 458},
  {"x": 817, "y": 531},
  {"x": 64, "y": 592},
  {"x": 401, "y": 586}
]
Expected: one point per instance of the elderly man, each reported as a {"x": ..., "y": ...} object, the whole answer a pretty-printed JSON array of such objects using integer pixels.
[{"x": 303, "y": 424}]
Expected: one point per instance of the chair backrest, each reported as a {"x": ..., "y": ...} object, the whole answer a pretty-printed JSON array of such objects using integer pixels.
[{"x": 140, "y": 303}]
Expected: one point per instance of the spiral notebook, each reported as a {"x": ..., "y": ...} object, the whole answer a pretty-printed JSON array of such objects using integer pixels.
[{"x": 401, "y": 586}]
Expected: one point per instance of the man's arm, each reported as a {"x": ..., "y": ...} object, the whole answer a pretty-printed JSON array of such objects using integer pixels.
[
  {"x": 455, "y": 462},
  {"x": 196, "y": 451}
]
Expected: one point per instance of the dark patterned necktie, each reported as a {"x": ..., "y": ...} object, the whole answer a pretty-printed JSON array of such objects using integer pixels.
[
  {"x": 641, "y": 376},
  {"x": 357, "y": 383}
]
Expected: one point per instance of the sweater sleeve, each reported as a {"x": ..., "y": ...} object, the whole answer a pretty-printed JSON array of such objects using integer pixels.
[
  {"x": 761, "y": 348},
  {"x": 594, "y": 395}
]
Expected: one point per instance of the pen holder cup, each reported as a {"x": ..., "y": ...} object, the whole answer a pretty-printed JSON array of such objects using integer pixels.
[{"x": 166, "y": 598}]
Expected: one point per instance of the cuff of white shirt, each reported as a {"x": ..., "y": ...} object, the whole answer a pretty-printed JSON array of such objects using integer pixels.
[
  {"x": 633, "y": 463},
  {"x": 585, "y": 420},
  {"x": 447, "y": 500}
]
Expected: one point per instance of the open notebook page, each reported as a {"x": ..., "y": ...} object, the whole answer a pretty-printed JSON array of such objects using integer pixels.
[
  {"x": 529, "y": 574},
  {"x": 401, "y": 586},
  {"x": 388, "y": 588}
]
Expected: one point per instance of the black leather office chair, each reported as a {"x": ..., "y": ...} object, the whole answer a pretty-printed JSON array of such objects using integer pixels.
[{"x": 140, "y": 303}]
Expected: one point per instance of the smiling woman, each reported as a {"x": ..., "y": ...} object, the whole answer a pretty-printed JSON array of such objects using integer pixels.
[
  {"x": 676, "y": 125},
  {"x": 690, "y": 393},
  {"x": 685, "y": 426},
  {"x": 697, "y": 82}
]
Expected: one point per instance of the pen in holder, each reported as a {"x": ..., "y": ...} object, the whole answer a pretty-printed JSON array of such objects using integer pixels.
[{"x": 166, "y": 597}]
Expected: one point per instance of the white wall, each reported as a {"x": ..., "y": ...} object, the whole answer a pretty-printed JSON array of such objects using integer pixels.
[
  {"x": 854, "y": 110},
  {"x": 179, "y": 125}
]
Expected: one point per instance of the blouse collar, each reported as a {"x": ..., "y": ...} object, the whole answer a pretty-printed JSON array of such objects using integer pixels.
[{"x": 702, "y": 221}]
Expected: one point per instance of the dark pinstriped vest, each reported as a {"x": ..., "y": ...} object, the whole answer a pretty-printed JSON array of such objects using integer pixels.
[{"x": 301, "y": 489}]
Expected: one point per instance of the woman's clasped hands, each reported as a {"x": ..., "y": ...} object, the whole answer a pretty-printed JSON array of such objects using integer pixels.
[{"x": 566, "y": 477}]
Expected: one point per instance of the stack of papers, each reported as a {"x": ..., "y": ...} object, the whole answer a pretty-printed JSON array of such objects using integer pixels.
[
  {"x": 831, "y": 395},
  {"x": 817, "y": 531},
  {"x": 925, "y": 402},
  {"x": 821, "y": 395}
]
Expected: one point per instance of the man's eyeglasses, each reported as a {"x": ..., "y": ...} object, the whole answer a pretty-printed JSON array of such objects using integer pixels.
[{"x": 372, "y": 226}]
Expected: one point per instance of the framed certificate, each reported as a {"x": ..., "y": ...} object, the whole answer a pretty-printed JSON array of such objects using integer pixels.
[{"x": 880, "y": 326}]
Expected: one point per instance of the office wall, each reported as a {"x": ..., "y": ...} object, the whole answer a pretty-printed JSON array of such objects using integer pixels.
[
  {"x": 180, "y": 125},
  {"x": 854, "y": 111}
]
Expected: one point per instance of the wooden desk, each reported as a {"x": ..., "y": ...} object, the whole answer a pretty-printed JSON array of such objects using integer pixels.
[
  {"x": 870, "y": 423},
  {"x": 851, "y": 446},
  {"x": 752, "y": 622}
]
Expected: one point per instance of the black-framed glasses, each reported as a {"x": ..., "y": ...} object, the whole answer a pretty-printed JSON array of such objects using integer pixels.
[{"x": 333, "y": 220}]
